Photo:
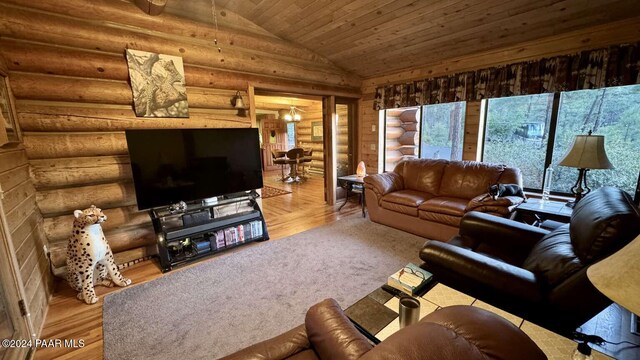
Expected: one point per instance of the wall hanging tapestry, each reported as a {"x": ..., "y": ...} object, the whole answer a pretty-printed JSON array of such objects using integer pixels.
[{"x": 158, "y": 85}]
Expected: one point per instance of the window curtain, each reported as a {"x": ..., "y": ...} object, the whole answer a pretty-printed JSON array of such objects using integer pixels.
[{"x": 614, "y": 66}]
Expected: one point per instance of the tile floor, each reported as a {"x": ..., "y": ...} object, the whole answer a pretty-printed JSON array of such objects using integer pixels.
[{"x": 553, "y": 345}]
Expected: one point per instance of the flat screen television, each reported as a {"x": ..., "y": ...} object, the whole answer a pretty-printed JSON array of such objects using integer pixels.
[{"x": 173, "y": 165}]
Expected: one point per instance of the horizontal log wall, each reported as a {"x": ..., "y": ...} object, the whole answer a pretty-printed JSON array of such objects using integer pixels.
[
  {"x": 312, "y": 114},
  {"x": 26, "y": 229},
  {"x": 74, "y": 100},
  {"x": 625, "y": 31}
]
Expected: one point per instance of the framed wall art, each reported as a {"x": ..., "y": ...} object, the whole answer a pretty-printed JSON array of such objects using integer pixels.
[
  {"x": 158, "y": 85},
  {"x": 316, "y": 131}
]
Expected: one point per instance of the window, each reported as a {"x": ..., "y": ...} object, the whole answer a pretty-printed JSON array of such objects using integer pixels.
[
  {"x": 291, "y": 135},
  {"x": 613, "y": 112},
  {"x": 442, "y": 131},
  {"x": 429, "y": 131},
  {"x": 523, "y": 132},
  {"x": 517, "y": 132}
]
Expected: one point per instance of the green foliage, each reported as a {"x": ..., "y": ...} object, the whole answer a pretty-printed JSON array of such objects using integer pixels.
[
  {"x": 443, "y": 127},
  {"x": 613, "y": 112},
  {"x": 505, "y": 139}
]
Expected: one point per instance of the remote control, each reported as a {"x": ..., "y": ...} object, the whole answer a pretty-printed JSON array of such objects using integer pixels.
[{"x": 391, "y": 290}]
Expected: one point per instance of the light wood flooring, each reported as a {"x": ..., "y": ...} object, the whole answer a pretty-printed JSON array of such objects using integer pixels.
[{"x": 68, "y": 318}]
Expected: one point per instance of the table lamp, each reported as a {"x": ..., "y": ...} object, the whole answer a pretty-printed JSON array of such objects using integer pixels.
[
  {"x": 586, "y": 153},
  {"x": 618, "y": 278}
]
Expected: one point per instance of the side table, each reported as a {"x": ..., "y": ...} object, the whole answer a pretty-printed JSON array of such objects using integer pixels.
[
  {"x": 543, "y": 210},
  {"x": 353, "y": 184}
]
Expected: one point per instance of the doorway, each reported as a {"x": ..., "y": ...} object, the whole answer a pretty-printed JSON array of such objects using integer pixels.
[
  {"x": 289, "y": 121},
  {"x": 13, "y": 326}
]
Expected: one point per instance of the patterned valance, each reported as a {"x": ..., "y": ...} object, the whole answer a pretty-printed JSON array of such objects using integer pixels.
[{"x": 613, "y": 66}]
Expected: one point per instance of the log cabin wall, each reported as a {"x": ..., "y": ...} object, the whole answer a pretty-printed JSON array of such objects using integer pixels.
[
  {"x": 342, "y": 140},
  {"x": 70, "y": 79},
  {"x": 25, "y": 226},
  {"x": 312, "y": 115},
  {"x": 625, "y": 31}
]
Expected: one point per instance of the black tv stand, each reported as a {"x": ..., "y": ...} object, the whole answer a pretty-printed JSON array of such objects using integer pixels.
[{"x": 206, "y": 228}]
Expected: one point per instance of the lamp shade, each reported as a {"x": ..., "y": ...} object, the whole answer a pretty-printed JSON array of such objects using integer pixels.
[
  {"x": 618, "y": 276},
  {"x": 587, "y": 152}
]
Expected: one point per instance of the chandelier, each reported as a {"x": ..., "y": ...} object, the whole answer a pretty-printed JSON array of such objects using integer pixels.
[{"x": 293, "y": 114}]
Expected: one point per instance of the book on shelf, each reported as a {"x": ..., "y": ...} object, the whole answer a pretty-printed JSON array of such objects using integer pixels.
[
  {"x": 240, "y": 231},
  {"x": 411, "y": 279},
  {"x": 220, "y": 239}
]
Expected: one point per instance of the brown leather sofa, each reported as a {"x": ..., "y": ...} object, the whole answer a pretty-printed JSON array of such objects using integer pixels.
[
  {"x": 428, "y": 197},
  {"x": 456, "y": 332},
  {"x": 537, "y": 274}
]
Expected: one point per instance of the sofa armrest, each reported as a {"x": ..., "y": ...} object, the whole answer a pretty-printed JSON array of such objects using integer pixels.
[
  {"x": 500, "y": 232},
  {"x": 502, "y": 205},
  {"x": 331, "y": 333},
  {"x": 282, "y": 346},
  {"x": 458, "y": 332},
  {"x": 464, "y": 266},
  {"x": 384, "y": 183}
]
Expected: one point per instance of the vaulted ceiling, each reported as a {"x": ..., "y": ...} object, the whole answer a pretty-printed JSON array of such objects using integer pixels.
[{"x": 377, "y": 37}]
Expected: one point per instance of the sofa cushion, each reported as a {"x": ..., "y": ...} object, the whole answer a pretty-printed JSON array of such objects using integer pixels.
[
  {"x": 422, "y": 175},
  {"x": 552, "y": 259},
  {"x": 451, "y": 220},
  {"x": 468, "y": 179},
  {"x": 602, "y": 223},
  {"x": 445, "y": 205},
  {"x": 404, "y": 201},
  {"x": 407, "y": 197}
]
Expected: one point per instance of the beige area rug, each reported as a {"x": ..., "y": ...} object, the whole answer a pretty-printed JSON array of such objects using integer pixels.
[{"x": 259, "y": 291}]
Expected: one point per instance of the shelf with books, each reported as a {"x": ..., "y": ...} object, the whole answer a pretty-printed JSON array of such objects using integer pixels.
[{"x": 204, "y": 230}]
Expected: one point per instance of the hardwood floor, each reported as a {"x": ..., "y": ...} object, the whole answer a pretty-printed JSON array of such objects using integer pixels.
[{"x": 68, "y": 318}]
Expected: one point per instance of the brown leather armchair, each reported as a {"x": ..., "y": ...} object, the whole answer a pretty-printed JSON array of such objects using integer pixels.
[
  {"x": 538, "y": 274},
  {"x": 456, "y": 332}
]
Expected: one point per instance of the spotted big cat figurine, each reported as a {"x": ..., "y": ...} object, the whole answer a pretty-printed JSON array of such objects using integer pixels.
[{"x": 89, "y": 258}]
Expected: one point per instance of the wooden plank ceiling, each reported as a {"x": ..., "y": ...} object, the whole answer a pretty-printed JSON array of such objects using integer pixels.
[{"x": 377, "y": 37}]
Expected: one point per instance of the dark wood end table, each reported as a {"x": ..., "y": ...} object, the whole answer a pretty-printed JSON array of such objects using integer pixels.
[
  {"x": 353, "y": 184},
  {"x": 543, "y": 210}
]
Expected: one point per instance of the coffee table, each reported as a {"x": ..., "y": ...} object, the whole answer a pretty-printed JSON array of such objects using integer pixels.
[{"x": 376, "y": 326}]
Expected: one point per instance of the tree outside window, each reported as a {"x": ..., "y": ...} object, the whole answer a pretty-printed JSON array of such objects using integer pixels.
[
  {"x": 442, "y": 133},
  {"x": 291, "y": 135},
  {"x": 517, "y": 133},
  {"x": 613, "y": 112}
]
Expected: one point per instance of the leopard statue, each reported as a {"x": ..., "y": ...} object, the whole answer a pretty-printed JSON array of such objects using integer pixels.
[{"x": 89, "y": 258}]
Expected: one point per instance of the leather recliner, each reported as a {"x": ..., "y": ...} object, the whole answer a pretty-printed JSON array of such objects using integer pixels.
[
  {"x": 456, "y": 332},
  {"x": 538, "y": 274}
]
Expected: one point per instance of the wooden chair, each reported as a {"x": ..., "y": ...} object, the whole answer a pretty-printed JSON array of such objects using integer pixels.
[
  {"x": 306, "y": 159},
  {"x": 294, "y": 158},
  {"x": 282, "y": 161}
]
